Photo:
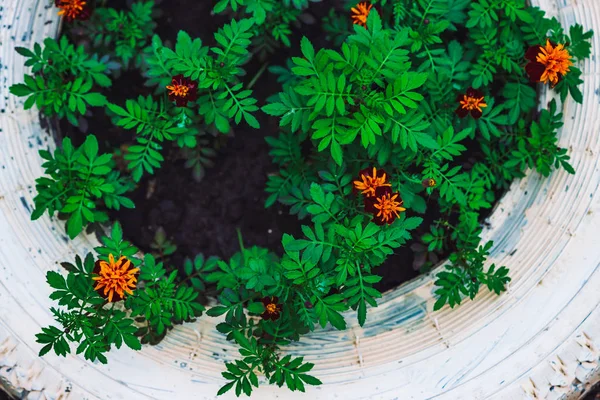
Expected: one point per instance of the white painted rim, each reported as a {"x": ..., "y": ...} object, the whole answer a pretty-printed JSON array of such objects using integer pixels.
[{"x": 539, "y": 340}]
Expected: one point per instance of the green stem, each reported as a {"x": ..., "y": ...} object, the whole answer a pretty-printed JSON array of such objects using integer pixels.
[
  {"x": 241, "y": 242},
  {"x": 425, "y": 13},
  {"x": 408, "y": 178},
  {"x": 258, "y": 75}
]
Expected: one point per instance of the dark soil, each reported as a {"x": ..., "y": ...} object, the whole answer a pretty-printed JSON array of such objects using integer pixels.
[
  {"x": 594, "y": 394},
  {"x": 203, "y": 217}
]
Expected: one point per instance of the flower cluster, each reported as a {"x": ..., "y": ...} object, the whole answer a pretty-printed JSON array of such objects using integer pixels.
[
  {"x": 116, "y": 277},
  {"x": 547, "y": 63},
  {"x": 379, "y": 199},
  {"x": 73, "y": 9},
  {"x": 182, "y": 89}
]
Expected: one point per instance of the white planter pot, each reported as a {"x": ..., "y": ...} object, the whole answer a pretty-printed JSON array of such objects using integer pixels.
[{"x": 541, "y": 339}]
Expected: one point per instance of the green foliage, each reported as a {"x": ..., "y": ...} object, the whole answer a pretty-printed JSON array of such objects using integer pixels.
[
  {"x": 162, "y": 246},
  {"x": 153, "y": 122},
  {"x": 199, "y": 158},
  {"x": 241, "y": 374},
  {"x": 321, "y": 274},
  {"x": 161, "y": 300},
  {"x": 222, "y": 98},
  {"x": 539, "y": 150},
  {"x": 273, "y": 20},
  {"x": 387, "y": 98},
  {"x": 80, "y": 182},
  {"x": 122, "y": 33},
  {"x": 579, "y": 43},
  {"x": 465, "y": 275},
  {"x": 354, "y": 92},
  {"x": 216, "y": 69},
  {"x": 84, "y": 317},
  {"x": 198, "y": 269},
  {"x": 117, "y": 246},
  {"x": 64, "y": 79}
]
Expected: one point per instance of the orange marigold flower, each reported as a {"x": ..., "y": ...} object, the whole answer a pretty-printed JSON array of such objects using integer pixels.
[
  {"x": 547, "y": 63},
  {"x": 117, "y": 278},
  {"x": 360, "y": 12},
  {"x": 369, "y": 180},
  {"x": 182, "y": 89},
  {"x": 272, "y": 308},
  {"x": 73, "y": 9},
  {"x": 471, "y": 102},
  {"x": 386, "y": 207}
]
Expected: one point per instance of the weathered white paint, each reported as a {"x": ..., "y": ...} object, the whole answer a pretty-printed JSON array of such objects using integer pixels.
[{"x": 540, "y": 340}]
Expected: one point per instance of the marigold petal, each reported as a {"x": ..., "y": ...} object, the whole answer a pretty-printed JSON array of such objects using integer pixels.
[
  {"x": 359, "y": 185},
  {"x": 461, "y": 112},
  {"x": 193, "y": 95},
  {"x": 478, "y": 94},
  {"x": 535, "y": 70},
  {"x": 532, "y": 53},
  {"x": 475, "y": 113},
  {"x": 378, "y": 220},
  {"x": 383, "y": 190},
  {"x": 125, "y": 266},
  {"x": 369, "y": 204},
  {"x": 471, "y": 92}
]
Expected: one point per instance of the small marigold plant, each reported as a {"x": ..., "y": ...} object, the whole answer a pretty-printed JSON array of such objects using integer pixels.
[{"x": 404, "y": 128}]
